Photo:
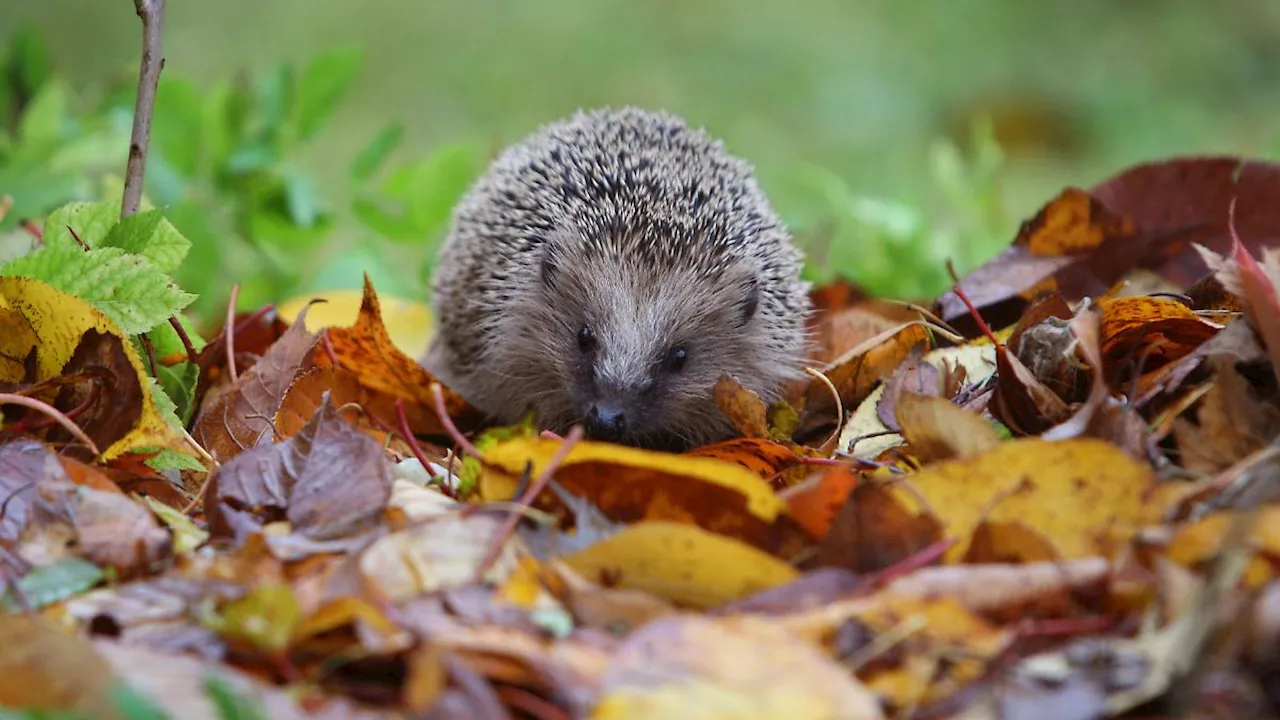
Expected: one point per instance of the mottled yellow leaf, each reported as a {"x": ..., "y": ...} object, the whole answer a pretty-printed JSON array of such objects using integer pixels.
[
  {"x": 58, "y": 320},
  {"x": 408, "y": 322},
  {"x": 1085, "y": 496},
  {"x": 681, "y": 563}
]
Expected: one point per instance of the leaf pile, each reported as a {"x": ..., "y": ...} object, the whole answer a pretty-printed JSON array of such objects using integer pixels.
[{"x": 1049, "y": 492}]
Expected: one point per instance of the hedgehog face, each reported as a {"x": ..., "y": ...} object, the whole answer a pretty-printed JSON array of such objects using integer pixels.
[{"x": 636, "y": 362}]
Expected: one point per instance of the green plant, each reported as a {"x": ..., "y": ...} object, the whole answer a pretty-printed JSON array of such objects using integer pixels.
[
  {"x": 223, "y": 165},
  {"x": 896, "y": 248}
]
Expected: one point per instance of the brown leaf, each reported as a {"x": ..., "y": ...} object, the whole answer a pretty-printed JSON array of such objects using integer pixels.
[
  {"x": 330, "y": 481},
  {"x": 1102, "y": 416},
  {"x": 629, "y": 484},
  {"x": 1021, "y": 401},
  {"x": 914, "y": 375},
  {"x": 44, "y": 668},
  {"x": 101, "y": 360},
  {"x": 1147, "y": 216},
  {"x": 873, "y": 531},
  {"x": 1230, "y": 422},
  {"x": 367, "y": 351},
  {"x": 938, "y": 430},
  {"x": 742, "y": 406},
  {"x": 48, "y": 516},
  {"x": 858, "y": 371},
  {"x": 177, "y": 684},
  {"x": 23, "y": 464},
  {"x": 781, "y": 465},
  {"x": 240, "y": 417},
  {"x": 1184, "y": 200},
  {"x": 815, "y": 503},
  {"x": 1148, "y": 333}
]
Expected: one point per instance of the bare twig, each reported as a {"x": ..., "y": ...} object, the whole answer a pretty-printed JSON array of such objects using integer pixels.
[
  {"x": 192, "y": 356},
  {"x": 535, "y": 489},
  {"x": 231, "y": 333},
  {"x": 437, "y": 396},
  {"x": 152, "y": 14},
  {"x": 47, "y": 409}
]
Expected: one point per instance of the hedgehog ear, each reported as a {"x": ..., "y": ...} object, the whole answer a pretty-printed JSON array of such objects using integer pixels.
[{"x": 750, "y": 302}]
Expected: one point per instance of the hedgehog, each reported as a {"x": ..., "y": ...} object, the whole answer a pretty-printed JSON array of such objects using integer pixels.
[{"x": 608, "y": 270}]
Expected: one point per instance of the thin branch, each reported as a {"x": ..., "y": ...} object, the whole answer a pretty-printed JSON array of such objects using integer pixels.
[
  {"x": 230, "y": 333},
  {"x": 152, "y": 14},
  {"x": 534, "y": 490},
  {"x": 47, "y": 409},
  {"x": 192, "y": 355}
]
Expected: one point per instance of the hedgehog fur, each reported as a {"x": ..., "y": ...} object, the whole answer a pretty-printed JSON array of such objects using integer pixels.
[{"x": 607, "y": 270}]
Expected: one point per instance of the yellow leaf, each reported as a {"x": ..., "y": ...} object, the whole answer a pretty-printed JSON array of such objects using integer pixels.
[
  {"x": 1201, "y": 541},
  {"x": 408, "y": 322},
  {"x": 628, "y": 485},
  {"x": 696, "y": 668},
  {"x": 1085, "y": 496},
  {"x": 681, "y": 563},
  {"x": 58, "y": 321},
  {"x": 265, "y": 617}
]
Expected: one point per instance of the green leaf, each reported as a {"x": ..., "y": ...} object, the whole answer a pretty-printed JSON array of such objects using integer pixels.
[
  {"x": 391, "y": 227},
  {"x": 323, "y": 83},
  {"x": 177, "y": 129},
  {"x": 247, "y": 159},
  {"x": 432, "y": 186},
  {"x": 128, "y": 289},
  {"x": 43, "y": 119},
  {"x": 300, "y": 197},
  {"x": 149, "y": 234},
  {"x": 169, "y": 459},
  {"x": 375, "y": 154},
  {"x": 179, "y": 385},
  {"x": 232, "y": 705},
  {"x": 49, "y": 584},
  {"x": 165, "y": 405},
  {"x": 29, "y": 64},
  {"x": 275, "y": 97},
  {"x": 186, "y": 535},
  {"x": 91, "y": 222}
]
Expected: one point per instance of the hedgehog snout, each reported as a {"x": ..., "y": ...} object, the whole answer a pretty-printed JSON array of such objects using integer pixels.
[{"x": 606, "y": 422}]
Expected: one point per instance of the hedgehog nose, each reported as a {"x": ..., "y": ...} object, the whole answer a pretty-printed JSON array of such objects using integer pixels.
[{"x": 605, "y": 423}]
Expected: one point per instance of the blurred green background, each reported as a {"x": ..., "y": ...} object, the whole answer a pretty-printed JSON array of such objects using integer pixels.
[{"x": 891, "y": 135}]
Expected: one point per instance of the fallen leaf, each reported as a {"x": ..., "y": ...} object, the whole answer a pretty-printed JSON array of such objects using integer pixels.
[
  {"x": 439, "y": 553},
  {"x": 688, "y": 667},
  {"x": 873, "y": 531},
  {"x": 408, "y": 322},
  {"x": 330, "y": 482},
  {"x": 367, "y": 351},
  {"x": 629, "y": 485},
  {"x": 742, "y": 406},
  {"x": 1230, "y": 422},
  {"x": 43, "y": 667},
  {"x": 814, "y": 504},
  {"x": 240, "y": 417},
  {"x": 937, "y": 430},
  {"x": 681, "y": 563},
  {"x": 778, "y": 464},
  {"x": 59, "y": 322},
  {"x": 1085, "y": 496}
]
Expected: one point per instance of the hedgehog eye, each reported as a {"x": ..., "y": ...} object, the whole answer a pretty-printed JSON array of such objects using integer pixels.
[
  {"x": 586, "y": 339},
  {"x": 675, "y": 360}
]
